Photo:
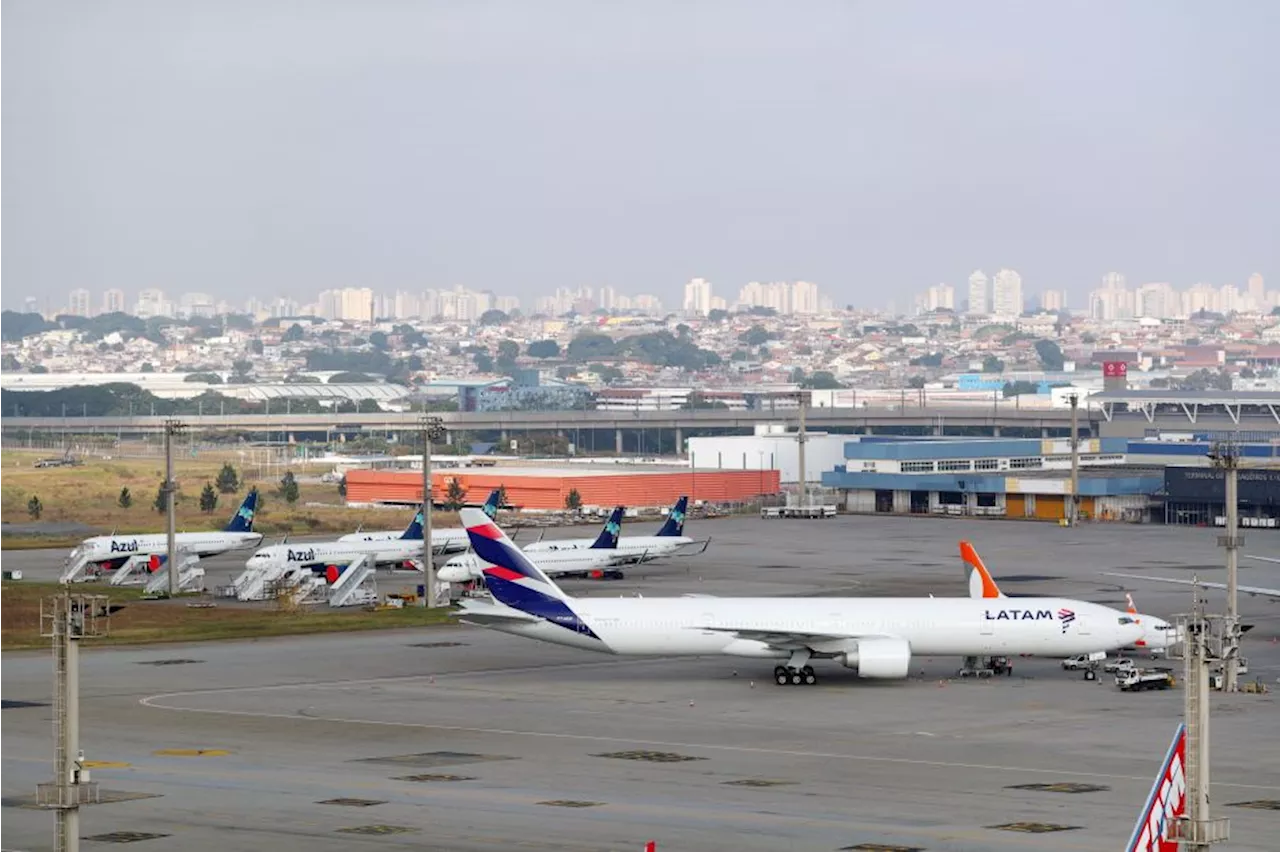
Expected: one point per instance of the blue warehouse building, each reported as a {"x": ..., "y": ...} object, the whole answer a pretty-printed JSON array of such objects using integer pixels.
[{"x": 1013, "y": 478}]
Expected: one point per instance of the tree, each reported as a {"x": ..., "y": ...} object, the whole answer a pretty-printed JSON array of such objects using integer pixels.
[
  {"x": 933, "y": 359},
  {"x": 378, "y": 340},
  {"x": 915, "y": 382},
  {"x": 34, "y": 507},
  {"x": 717, "y": 315},
  {"x": 822, "y": 380},
  {"x": 256, "y": 347},
  {"x": 757, "y": 335},
  {"x": 206, "y": 378},
  {"x": 228, "y": 480},
  {"x": 456, "y": 496},
  {"x": 992, "y": 364},
  {"x": 159, "y": 504},
  {"x": 502, "y": 496},
  {"x": 147, "y": 367},
  {"x": 507, "y": 352},
  {"x": 293, "y": 335},
  {"x": 1050, "y": 355},
  {"x": 1018, "y": 388},
  {"x": 544, "y": 349},
  {"x": 208, "y": 498},
  {"x": 240, "y": 370},
  {"x": 573, "y": 500},
  {"x": 484, "y": 362},
  {"x": 342, "y": 487},
  {"x": 349, "y": 378},
  {"x": 125, "y": 500},
  {"x": 493, "y": 316},
  {"x": 591, "y": 345},
  {"x": 289, "y": 487}
]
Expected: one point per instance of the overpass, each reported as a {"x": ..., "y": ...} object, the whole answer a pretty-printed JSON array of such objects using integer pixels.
[{"x": 994, "y": 419}]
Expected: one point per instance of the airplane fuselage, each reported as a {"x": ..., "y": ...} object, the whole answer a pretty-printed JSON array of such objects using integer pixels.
[
  {"x": 442, "y": 541},
  {"x": 338, "y": 552},
  {"x": 112, "y": 548},
  {"x": 554, "y": 563},
  {"x": 930, "y": 626},
  {"x": 631, "y": 548}
]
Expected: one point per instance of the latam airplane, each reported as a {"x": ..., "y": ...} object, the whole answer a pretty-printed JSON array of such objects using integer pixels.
[
  {"x": 450, "y": 540},
  {"x": 1166, "y": 804},
  {"x": 1251, "y": 591},
  {"x": 1158, "y": 634},
  {"x": 109, "y": 552},
  {"x": 632, "y": 549},
  {"x": 596, "y": 561},
  {"x": 875, "y": 636}
]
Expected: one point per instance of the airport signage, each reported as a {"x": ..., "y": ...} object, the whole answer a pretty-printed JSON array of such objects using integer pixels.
[{"x": 1208, "y": 485}]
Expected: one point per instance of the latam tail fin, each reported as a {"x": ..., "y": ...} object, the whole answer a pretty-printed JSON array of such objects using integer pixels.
[
  {"x": 981, "y": 584},
  {"x": 1166, "y": 803},
  {"x": 511, "y": 577},
  {"x": 1132, "y": 608},
  {"x": 491, "y": 506},
  {"x": 414, "y": 530},
  {"x": 608, "y": 538},
  {"x": 674, "y": 525},
  {"x": 242, "y": 520}
]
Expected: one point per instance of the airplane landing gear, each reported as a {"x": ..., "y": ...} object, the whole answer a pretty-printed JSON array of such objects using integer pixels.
[{"x": 790, "y": 676}]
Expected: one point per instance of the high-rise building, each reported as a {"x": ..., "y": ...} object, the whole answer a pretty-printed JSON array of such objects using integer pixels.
[
  {"x": 406, "y": 305},
  {"x": 940, "y": 297},
  {"x": 1006, "y": 293},
  {"x": 804, "y": 297},
  {"x": 1156, "y": 300},
  {"x": 152, "y": 303},
  {"x": 1053, "y": 300},
  {"x": 979, "y": 304},
  {"x": 697, "y": 297},
  {"x": 78, "y": 303},
  {"x": 1201, "y": 297},
  {"x": 197, "y": 305},
  {"x": 1229, "y": 299},
  {"x": 648, "y": 303},
  {"x": 1258, "y": 293},
  {"x": 112, "y": 301}
]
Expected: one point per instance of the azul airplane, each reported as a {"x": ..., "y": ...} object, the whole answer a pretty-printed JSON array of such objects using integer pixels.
[
  {"x": 596, "y": 561},
  {"x": 1158, "y": 634},
  {"x": 875, "y": 636},
  {"x": 112, "y": 551},
  {"x": 442, "y": 540},
  {"x": 632, "y": 549},
  {"x": 320, "y": 554}
]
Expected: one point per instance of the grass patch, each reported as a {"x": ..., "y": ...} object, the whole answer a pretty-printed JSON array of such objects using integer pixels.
[
  {"x": 89, "y": 494},
  {"x": 143, "y": 622}
]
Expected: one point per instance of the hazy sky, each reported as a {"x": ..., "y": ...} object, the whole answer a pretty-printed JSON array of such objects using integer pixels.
[{"x": 264, "y": 147}]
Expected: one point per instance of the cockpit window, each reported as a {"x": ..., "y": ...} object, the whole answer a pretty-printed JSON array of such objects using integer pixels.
[{"x": 1124, "y": 619}]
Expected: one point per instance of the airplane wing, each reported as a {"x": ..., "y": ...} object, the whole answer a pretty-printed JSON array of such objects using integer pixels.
[
  {"x": 1264, "y": 559},
  {"x": 790, "y": 639},
  {"x": 1252, "y": 591},
  {"x": 483, "y": 614}
]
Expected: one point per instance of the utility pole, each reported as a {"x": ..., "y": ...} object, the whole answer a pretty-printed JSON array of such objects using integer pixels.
[
  {"x": 1202, "y": 640},
  {"x": 432, "y": 430},
  {"x": 1073, "y": 504},
  {"x": 171, "y": 428},
  {"x": 67, "y": 619},
  {"x": 801, "y": 439},
  {"x": 1226, "y": 456}
]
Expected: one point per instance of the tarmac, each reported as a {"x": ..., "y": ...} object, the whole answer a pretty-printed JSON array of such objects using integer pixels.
[{"x": 457, "y": 738}]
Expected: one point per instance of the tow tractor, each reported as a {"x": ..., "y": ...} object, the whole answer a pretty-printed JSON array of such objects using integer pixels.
[{"x": 989, "y": 667}]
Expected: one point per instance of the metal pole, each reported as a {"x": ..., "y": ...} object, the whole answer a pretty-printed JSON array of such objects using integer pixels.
[
  {"x": 432, "y": 427},
  {"x": 801, "y": 439},
  {"x": 171, "y": 544},
  {"x": 1073, "y": 506},
  {"x": 1231, "y": 653}
]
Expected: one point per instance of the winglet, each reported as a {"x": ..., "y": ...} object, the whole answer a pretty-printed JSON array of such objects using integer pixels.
[
  {"x": 608, "y": 538},
  {"x": 981, "y": 585},
  {"x": 674, "y": 525},
  {"x": 242, "y": 520},
  {"x": 1166, "y": 802}
]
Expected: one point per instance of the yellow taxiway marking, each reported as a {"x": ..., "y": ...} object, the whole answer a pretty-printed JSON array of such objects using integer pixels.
[{"x": 191, "y": 752}]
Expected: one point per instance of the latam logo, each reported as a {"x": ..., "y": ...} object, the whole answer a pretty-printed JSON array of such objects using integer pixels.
[
  {"x": 124, "y": 546},
  {"x": 1067, "y": 617},
  {"x": 301, "y": 555},
  {"x": 1019, "y": 615}
]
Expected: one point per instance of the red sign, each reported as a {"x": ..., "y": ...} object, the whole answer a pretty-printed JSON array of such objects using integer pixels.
[{"x": 1115, "y": 369}]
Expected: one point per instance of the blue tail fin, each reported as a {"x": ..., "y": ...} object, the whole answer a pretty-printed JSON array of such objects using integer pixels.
[
  {"x": 675, "y": 518},
  {"x": 491, "y": 506},
  {"x": 414, "y": 530},
  {"x": 608, "y": 538},
  {"x": 242, "y": 520}
]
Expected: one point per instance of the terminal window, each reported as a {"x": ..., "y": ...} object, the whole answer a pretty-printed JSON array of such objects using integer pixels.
[
  {"x": 953, "y": 465},
  {"x": 1024, "y": 464},
  {"x": 986, "y": 464},
  {"x": 917, "y": 467}
]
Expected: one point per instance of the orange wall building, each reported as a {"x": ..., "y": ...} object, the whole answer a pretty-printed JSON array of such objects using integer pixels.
[{"x": 547, "y": 489}]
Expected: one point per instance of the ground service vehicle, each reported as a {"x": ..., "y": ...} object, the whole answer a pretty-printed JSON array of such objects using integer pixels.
[{"x": 1136, "y": 680}]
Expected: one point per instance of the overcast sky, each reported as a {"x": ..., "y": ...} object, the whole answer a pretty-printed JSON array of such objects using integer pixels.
[{"x": 264, "y": 147}]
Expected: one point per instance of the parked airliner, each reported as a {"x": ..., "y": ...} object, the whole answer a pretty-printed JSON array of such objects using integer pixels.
[
  {"x": 448, "y": 540},
  {"x": 631, "y": 549},
  {"x": 396, "y": 551},
  {"x": 594, "y": 561},
  {"x": 1158, "y": 634},
  {"x": 875, "y": 636},
  {"x": 112, "y": 551}
]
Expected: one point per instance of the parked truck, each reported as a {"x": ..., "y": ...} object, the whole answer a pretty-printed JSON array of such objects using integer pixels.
[{"x": 1133, "y": 679}]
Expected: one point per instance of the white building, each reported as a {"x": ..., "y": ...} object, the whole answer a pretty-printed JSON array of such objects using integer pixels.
[
  {"x": 1157, "y": 300},
  {"x": 1053, "y": 300},
  {"x": 1006, "y": 293},
  {"x": 78, "y": 303},
  {"x": 978, "y": 302},
  {"x": 772, "y": 447},
  {"x": 152, "y": 303},
  {"x": 112, "y": 301},
  {"x": 697, "y": 297}
]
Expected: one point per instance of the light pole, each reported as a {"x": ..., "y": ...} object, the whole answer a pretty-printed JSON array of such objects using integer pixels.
[
  {"x": 432, "y": 429},
  {"x": 1226, "y": 456},
  {"x": 171, "y": 427}
]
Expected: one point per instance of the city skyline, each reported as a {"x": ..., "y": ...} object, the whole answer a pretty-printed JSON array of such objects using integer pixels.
[{"x": 874, "y": 149}]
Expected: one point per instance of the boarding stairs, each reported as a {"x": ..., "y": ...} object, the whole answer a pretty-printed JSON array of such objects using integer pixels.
[
  {"x": 134, "y": 572},
  {"x": 356, "y": 585},
  {"x": 74, "y": 569},
  {"x": 190, "y": 576},
  {"x": 298, "y": 586},
  {"x": 253, "y": 583}
]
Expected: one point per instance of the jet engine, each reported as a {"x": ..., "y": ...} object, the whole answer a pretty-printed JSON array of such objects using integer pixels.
[{"x": 885, "y": 657}]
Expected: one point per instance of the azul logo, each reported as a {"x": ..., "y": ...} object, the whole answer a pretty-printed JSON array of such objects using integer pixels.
[
  {"x": 613, "y": 528},
  {"x": 301, "y": 555},
  {"x": 245, "y": 512},
  {"x": 1019, "y": 614},
  {"x": 124, "y": 546},
  {"x": 677, "y": 516},
  {"x": 1067, "y": 617}
]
